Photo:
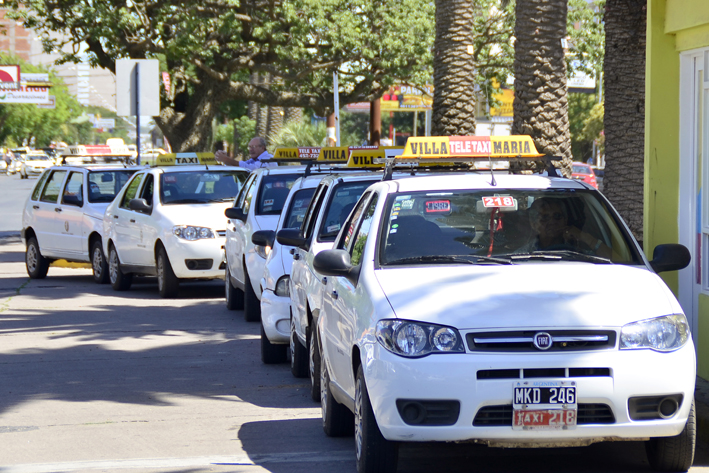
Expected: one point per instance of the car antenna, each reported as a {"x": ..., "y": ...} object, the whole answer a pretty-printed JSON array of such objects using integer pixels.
[
  {"x": 307, "y": 169},
  {"x": 388, "y": 169},
  {"x": 493, "y": 182}
]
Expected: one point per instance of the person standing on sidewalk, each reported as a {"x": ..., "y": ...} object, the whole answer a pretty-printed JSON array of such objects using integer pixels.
[{"x": 257, "y": 154}]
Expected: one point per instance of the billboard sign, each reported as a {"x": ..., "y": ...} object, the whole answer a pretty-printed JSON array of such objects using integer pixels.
[{"x": 400, "y": 98}]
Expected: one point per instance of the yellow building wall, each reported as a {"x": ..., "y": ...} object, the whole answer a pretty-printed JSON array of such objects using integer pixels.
[{"x": 684, "y": 14}]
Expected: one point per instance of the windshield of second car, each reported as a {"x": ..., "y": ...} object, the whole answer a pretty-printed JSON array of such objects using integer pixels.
[
  {"x": 199, "y": 187},
  {"x": 104, "y": 185},
  {"x": 504, "y": 226},
  {"x": 343, "y": 199}
]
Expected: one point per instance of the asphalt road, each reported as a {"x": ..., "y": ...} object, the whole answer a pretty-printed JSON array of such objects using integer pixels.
[{"x": 96, "y": 380}]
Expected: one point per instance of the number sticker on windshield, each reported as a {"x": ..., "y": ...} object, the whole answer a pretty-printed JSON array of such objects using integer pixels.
[
  {"x": 438, "y": 206},
  {"x": 500, "y": 201}
]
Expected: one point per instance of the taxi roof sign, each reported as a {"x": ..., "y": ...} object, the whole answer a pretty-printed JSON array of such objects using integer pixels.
[
  {"x": 296, "y": 154},
  {"x": 469, "y": 148},
  {"x": 97, "y": 151},
  {"x": 372, "y": 157},
  {"x": 185, "y": 159}
]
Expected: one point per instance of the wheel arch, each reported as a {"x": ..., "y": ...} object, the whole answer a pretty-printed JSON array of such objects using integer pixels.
[
  {"x": 94, "y": 237},
  {"x": 356, "y": 361},
  {"x": 28, "y": 233}
]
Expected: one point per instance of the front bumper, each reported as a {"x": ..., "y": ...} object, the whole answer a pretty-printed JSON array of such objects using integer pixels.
[
  {"x": 196, "y": 254},
  {"x": 34, "y": 171},
  {"x": 275, "y": 316},
  {"x": 455, "y": 377}
]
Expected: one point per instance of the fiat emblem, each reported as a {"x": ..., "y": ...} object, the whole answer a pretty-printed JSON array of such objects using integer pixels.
[{"x": 542, "y": 341}]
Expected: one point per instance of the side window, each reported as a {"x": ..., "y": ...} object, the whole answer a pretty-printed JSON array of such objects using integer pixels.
[
  {"x": 40, "y": 184},
  {"x": 247, "y": 185},
  {"x": 250, "y": 192},
  {"x": 131, "y": 190},
  {"x": 358, "y": 247},
  {"x": 351, "y": 224},
  {"x": 53, "y": 188},
  {"x": 147, "y": 192},
  {"x": 73, "y": 191},
  {"x": 313, "y": 211}
]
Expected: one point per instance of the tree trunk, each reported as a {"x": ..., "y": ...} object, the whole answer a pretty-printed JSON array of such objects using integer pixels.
[
  {"x": 624, "y": 121},
  {"x": 540, "y": 103},
  {"x": 293, "y": 114},
  {"x": 275, "y": 123},
  {"x": 253, "y": 106},
  {"x": 454, "y": 69}
]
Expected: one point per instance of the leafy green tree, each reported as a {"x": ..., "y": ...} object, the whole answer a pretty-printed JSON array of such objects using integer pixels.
[{"x": 210, "y": 49}]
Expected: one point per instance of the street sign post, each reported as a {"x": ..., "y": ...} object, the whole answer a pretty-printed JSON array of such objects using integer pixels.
[{"x": 137, "y": 90}]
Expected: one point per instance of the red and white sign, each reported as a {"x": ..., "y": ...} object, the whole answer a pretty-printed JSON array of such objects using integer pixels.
[
  {"x": 10, "y": 73},
  {"x": 25, "y": 95},
  {"x": 499, "y": 201}
]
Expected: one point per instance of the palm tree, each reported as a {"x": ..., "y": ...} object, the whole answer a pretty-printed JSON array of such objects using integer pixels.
[
  {"x": 540, "y": 104},
  {"x": 454, "y": 69},
  {"x": 624, "y": 83}
]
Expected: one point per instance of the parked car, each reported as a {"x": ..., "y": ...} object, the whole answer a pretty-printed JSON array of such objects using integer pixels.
[
  {"x": 35, "y": 163},
  {"x": 583, "y": 172}
]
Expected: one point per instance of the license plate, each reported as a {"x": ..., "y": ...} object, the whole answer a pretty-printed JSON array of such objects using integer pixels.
[
  {"x": 544, "y": 419},
  {"x": 552, "y": 395},
  {"x": 543, "y": 404}
]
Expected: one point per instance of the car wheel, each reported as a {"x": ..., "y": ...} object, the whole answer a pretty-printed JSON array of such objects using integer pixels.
[
  {"x": 252, "y": 306},
  {"x": 37, "y": 265},
  {"x": 272, "y": 354},
  {"x": 98, "y": 263},
  {"x": 298, "y": 354},
  {"x": 314, "y": 364},
  {"x": 373, "y": 452},
  {"x": 234, "y": 296},
  {"x": 168, "y": 284},
  {"x": 674, "y": 453},
  {"x": 119, "y": 280},
  {"x": 337, "y": 420}
]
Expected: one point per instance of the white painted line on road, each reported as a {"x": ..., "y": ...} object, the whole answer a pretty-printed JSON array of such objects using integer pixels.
[{"x": 190, "y": 462}]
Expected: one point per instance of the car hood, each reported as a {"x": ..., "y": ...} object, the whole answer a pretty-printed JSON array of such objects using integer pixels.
[
  {"x": 559, "y": 294},
  {"x": 200, "y": 215}
]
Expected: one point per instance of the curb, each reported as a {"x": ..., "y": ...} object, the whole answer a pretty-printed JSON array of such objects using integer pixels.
[{"x": 10, "y": 237}]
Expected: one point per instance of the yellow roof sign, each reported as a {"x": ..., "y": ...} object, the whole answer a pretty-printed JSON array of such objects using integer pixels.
[
  {"x": 365, "y": 157},
  {"x": 302, "y": 153},
  {"x": 470, "y": 147},
  {"x": 185, "y": 159}
]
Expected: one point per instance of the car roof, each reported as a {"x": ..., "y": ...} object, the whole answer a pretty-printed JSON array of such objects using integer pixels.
[
  {"x": 98, "y": 167},
  {"x": 482, "y": 181}
]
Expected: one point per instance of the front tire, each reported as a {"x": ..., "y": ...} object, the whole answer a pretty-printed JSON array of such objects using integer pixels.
[
  {"x": 272, "y": 354},
  {"x": 298, "y": 354},
  {"x": 168, "y": 284},
  {"x": 99, "y": 264},
  {"x": 337, "y": 420},
  {"x": 674, "y": 453},
  {"x": 314, "y": 363},
  {"x": 252, "y": 306},
  {"x": 374, "y": 453},
  {"x": 37, "y": 265},
  {"x": 234, "y": 296},
  {"x": 119, "y": 280}
]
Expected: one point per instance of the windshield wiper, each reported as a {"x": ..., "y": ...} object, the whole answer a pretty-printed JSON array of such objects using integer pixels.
[
  {"x": 187, "y": 201},
  {"x": 559, "y": 255},
  {"x": 472, "y": 259},
  {"x": 223, "y": 199}
]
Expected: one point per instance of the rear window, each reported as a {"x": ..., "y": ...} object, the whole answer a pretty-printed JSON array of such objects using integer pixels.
[
  {"x": 274, "y": 192},
  {"x": 342, "y": 201},
  {"x": 578, "y": 169},
  {"x": 298, "y": 206},
  {"x": 104, "y": 185}
]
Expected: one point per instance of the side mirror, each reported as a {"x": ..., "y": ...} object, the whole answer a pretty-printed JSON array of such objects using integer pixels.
[
  {"x": 264, "y": 238},
  {"x": 292, "y": 237},
  {"x": 235, "y": 214},
  {"x": 140, "y": 205},
  {"x": 670, "y": 257},
  {"x": 71, "y": 199},
  {"x": 336, "y": 263}
]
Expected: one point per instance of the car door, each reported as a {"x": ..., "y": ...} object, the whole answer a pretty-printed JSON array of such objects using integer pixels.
[
  {"x": 71, "y": 215},
  {"x": 126, "y": 232},
  {"x": 146, "y": 224},
  {"x": 237, "y": 242},
  {"x": 229, "y": 243},
  {"x": 341, "y": 295},
  {"x": 47, "y": 212}
]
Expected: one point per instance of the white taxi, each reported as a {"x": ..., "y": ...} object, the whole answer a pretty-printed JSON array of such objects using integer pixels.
[
  {"x": 169, "y": 222},
  {"x": 63, "y": 216},
  {"x": 35, "y": 163},
  {"x": 508, "y": 310}
]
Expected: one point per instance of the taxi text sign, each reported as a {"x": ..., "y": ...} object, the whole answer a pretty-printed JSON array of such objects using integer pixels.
[
  {"x": 365, "y": 157},
  {"x": 436, "y": 147},
  {"x": 185, "y": 159}
]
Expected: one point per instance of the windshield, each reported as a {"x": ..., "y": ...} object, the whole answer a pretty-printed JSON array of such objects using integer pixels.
[
  {"x": 503, "y": 226},
  {"x": 35, "y": 157},
  {"x": 104, "y": 185},
  {"x": 274, "y": 191},
  {"x": 298, "y": 205},
  {"x": 342, "y": 200},
  {"x": 200, "y": 187}
]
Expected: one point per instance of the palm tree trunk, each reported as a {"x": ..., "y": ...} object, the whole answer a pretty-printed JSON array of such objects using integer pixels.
[
  {"x": 454, "y": 69},
  {"x": 624, "y": 121},
  {"x": 540, "y": 104}
]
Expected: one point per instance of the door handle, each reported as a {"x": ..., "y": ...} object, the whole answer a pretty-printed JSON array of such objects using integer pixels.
[
  {"x": 296, "y": 256},
  {"x": 324, "y": 280},
  {"x": 334, "y": 294},
  {"x": 36, "y": 207},
  {"x": 57, "y": 209},
  {"x": 132, "y": 220},
  {"x": 115, "y": 216}
]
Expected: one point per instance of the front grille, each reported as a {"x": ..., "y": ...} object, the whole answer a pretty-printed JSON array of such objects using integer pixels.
[
  {"x": 544, "y": 373},
  {"x": 522, "y": 340},
  {"x": 501, "y": 416}
]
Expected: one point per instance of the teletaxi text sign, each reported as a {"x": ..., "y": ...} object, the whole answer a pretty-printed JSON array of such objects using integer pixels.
[
  {"x": 295, "y": 154},
  {"x": 185, "y": 159},
  {"x": 488, "y": 147}
]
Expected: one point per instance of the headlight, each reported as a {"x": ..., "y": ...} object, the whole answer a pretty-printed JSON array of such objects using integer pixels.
[
  {"x": 262, "y": 251},
  {"x": 666, "y": 333},
  {"x": 414, "y": 339},
  {"x": 190, "y": 233},
  {"x": 283, "y": 286}
]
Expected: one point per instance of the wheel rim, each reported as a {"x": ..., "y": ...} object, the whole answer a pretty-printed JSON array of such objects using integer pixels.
[
  {"x": 161, "y": 273},
  {"x": 291, "y": 342},
  {"x": 113, "y": 266},
  {"x": 358, "y": 419},
  {"x": 98, "y": 262},
  {"x": 323, "y": 393},
  {"x": 32, "y": 258}
]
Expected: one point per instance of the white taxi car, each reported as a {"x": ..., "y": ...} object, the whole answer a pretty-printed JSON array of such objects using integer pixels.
[
  {"x": 508, "y": 310},
  {"x": 35, "y": 163},
  {"x": 63, "y": 216},
  {"x": 257, "y": 207},
  {"x": 169, "y": 222}
]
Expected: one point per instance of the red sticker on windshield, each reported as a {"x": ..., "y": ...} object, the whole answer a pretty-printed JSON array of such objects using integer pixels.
[
  {"x": 438, "y": 206},
  {"x": 169, "y": 178},
  {"x": 499, "y": 201}
]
